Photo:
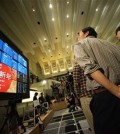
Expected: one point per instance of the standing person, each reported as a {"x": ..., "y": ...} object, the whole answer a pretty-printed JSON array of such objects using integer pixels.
[
  {"x": 71, "y": 102},
  {"x": 70, "y": 82},
  {"x": 42, "y": 102},
  {"x": 41, "y": 98},
  {"x": 118, "y": 33},
  {"x": 63, "y": 87},
  {"x": 55, "y": 91},
  {"x": 35, "y": 96},
  {"x": 83, "y": 96},
  {"x": 100, "y": 61},
  {"x": 48, "y": 99}
]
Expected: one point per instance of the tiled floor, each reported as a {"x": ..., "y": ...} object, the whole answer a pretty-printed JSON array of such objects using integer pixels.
[{"x": 64, "y": 122}]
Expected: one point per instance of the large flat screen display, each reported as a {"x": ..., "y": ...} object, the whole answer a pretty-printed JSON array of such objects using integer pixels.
[{"x": 14, "y": 71}]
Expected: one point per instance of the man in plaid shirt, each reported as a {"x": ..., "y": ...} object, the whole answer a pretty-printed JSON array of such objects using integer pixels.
[
  {"x": 80, "y": 82},
  {"x": 83, "y": 96}
]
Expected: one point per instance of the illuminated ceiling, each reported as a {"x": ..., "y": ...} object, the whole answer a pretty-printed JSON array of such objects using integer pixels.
[{"x": 46, "y": 30}]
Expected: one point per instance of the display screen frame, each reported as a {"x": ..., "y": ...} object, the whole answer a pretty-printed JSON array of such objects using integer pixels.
[{"x": 16, "y": 95}]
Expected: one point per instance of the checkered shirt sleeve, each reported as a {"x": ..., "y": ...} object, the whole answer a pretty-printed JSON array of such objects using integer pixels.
[{"x": 80, "y": 82}]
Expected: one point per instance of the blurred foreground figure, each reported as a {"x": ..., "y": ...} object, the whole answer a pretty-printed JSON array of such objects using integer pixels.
[{"x": 118, "y": 33}]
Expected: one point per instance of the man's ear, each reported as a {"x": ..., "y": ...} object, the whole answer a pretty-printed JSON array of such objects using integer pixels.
[{"x": 87, "y": 33}]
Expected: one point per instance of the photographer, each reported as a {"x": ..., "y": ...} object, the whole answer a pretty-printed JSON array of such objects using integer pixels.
[{"x": 71, "y": 102}]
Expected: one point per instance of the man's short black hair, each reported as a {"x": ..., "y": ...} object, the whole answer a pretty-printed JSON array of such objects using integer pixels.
[
  {"x": 36, "y": 93},
  {"x": 118, "y": 29},
  {"x": 91, "y": 31}
]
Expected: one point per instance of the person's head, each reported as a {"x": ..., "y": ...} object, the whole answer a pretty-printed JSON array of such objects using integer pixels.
[
  {"x": 118, "y": 33},
  {"x": 85, "y": 32},
  {"x": 41, "y": 94},
  {"x": 36, "y": 93}
]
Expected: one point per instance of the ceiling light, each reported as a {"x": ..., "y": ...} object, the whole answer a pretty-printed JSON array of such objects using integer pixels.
[
  {"x": 49, "y": 50},
  {"x": 33, "y": 10},
  {"x": 70, "y": 68},
  {"x": 67, "y": 46},
  {"x": 67, "y": 2},
  {"x": 62, "y": 69},
  {"x": 67, "y": 34},
  {"x": 53, "y": 19},
  {"x": 50, "y": 5},
  {"x": 55, "y": 71},
  {"x": 67, "y": 15},
  {"x": 45, "y": 39},
  {"x": 96, "y": 9},
  {"x": 44, "y": 82},
  {"x": 47, "y": 73}
]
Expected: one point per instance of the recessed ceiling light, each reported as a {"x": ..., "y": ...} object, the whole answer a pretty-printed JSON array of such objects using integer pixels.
[
  {"x": 67, "y": 15},
  {"x": 67, "y": 34},
  {"x": 96, "y": 9},
  {"x": 33, "y": 9},
  {"x": 50, "y": 5},
  {"x": 45, "y": 39},
  {"x": 53, "y": 19},
  {"x": 67, "y": 2}
]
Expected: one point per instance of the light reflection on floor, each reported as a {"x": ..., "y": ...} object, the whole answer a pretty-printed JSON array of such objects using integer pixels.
[{"x": 64, "y": 122}]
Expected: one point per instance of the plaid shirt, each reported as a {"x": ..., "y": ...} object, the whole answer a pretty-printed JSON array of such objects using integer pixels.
[
  {"x": 94, "y": 54},
  {"x": 80, "y": 82}
]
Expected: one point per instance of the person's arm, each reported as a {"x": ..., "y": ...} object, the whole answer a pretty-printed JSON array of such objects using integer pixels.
[
  {"x": 92, "y": 69},
  {"x": 105, "y": 82},
  {"x": 76, "y": 80}
]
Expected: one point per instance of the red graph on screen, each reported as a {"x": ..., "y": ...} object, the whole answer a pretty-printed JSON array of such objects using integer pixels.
[{"x": 8, "y": 77}]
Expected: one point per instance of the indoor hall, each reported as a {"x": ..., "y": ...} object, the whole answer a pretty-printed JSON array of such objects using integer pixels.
[{"x": 37, "y": 50}]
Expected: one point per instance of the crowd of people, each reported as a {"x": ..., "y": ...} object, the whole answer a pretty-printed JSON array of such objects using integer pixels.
[
  {"x": 96, "y": 74},
  {"x": 65, "y": 87}
]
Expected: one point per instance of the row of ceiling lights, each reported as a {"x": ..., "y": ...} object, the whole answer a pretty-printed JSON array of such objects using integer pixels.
[
  {"x": 50, "y": 6},
  {"x": 53, "y": 19}
]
